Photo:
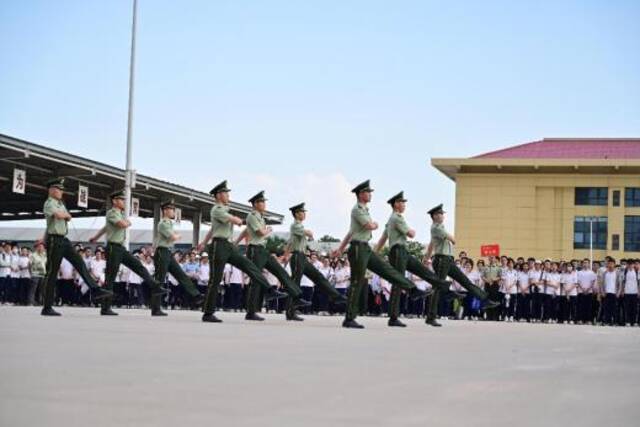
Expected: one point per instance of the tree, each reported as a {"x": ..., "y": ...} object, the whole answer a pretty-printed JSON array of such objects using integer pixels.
[
  {"x": 414, "y": 248},
  {"x": 328, "y": 239}
]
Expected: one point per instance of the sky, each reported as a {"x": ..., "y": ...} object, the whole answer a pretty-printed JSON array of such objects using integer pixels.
[{"x": 306, "y": 99}]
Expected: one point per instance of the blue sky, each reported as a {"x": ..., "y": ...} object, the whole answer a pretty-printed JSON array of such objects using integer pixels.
[{"x": 306, "y": 99}]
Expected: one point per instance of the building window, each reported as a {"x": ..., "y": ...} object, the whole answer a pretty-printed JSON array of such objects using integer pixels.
[
  {"x": 632, "y": 196},
  {"x": 615, "y": 242},
  {"x": 592, "y": 196},
  {"x": 632, "y": 233},
  {"x": 582, "y": 232},
  {"x": 616, "y": 198}
]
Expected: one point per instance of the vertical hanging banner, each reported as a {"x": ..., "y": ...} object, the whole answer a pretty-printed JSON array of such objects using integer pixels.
[
  {"x": 19, "y": 181},
  {"x": 135, "y": 206},
  {"x": 83, "y": 196},
  {"x": 178, "y": 215}
]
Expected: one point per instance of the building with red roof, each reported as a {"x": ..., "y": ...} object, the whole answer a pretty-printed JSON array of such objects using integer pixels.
[{"x": 561, "y": 198}]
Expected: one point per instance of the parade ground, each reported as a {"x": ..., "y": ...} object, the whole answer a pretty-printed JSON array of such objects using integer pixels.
[{"x": 135, "y": 370}]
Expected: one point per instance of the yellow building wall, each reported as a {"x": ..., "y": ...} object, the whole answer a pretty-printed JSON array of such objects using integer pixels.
[{"x": 533, "y": 214}]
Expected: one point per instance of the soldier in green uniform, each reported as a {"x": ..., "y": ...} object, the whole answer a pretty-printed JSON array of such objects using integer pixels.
[
  {"x": 58, "y": 247},
  {"x": 256, "y": 233},
  {"x": 362, "y": 257},
  {"x": 397, "y": 232},
  {"x": 222, "y": 251},
  {"x": 164, "y": 261},
  {"x": 115, "y": 229},
  {"x": 444, "y": 265},
  {"x": 300, "y": 266}
]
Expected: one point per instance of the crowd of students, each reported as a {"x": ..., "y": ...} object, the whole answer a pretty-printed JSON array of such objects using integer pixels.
[{"x": 531, "y": 290}]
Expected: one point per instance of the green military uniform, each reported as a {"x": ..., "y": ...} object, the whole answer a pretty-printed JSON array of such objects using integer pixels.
[
  {"x": 363, "y": 258},
  {"x": 258, "y": 254},
  {"x": 222, "y": 252},
  {"x": 117, "y": 254},
  {"x": 58, "y": 247},
  {"x": 164, "y": 262},
  {"x": 444, "y": 265},
  {"x": 300, "y": 265},
  {"x": 396, "y": 230}
]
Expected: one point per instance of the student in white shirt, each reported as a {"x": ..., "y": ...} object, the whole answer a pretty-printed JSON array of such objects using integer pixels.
[
  {"x": 202, "y": 273},
  {"x": 551, "y": 289},
  {"x": 629, "y": 292},
  {"x": 586, "y": 292},
  {"x": 24, "y": 276},
  {"x": 523, "y": 299},
  {"x": 508, "y": 289},
  {"x": 472, "y": 305},
  {"x": 234, "y": 277},
  {"x": 609, "y": 291},
  {"x": 569, "y": 294},
  {"x": 536, "y": 289}
]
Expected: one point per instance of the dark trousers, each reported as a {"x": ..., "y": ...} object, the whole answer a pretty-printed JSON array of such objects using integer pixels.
[
  {"x": 24, "y": 284},
  {"x": 573, "y": 308},
  {"x": 3, "y": 289},
  {"x": 222, "y": 252},
  {"x": 537, "y": 303},
  {"x": 235, "y": 296},
  {"x": 263, "y": 260},
  {"x": 631, "y": 308},
  {"x": 59, "y": 247},
  {"x": 549, "y": 307},
  {"x": 585, "y": 308},
  {"x": 609, "y": 309},
  {"x": 165, "y": 263},
  {"x": 402, "y": 261},
  {"x": 300, "y": 266},
  {"x": 117, "y": 254},
  {"x": 362, "y": 258},
  {"x": 445, "y": 266},
  {"x": 523, "y": 306}
]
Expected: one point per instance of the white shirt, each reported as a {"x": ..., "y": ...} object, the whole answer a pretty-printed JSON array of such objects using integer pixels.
[
  {"x": 66, "y": 270},
  {"x": 552, "y": 279},
  {"x": 23, "y": 266},
  {"x": 609, "y": 281},
  {"x": 508, "y": 279},
  {"x": 5, "y": 261},
  {"x": 235, "y": 275},
  {"x": 97, "y": 269},
  {"x": 15, "y": 269},
  {"x": 343, "y": 276},
  {"x": 535, "y": 278},
  {"x": 631, "y": 282},
  {"x": 203, "y": 274},
  {"x": 586, "y": 280},
  {"x": 523, "y": 280},
  {"x": 570, "y": 280}
]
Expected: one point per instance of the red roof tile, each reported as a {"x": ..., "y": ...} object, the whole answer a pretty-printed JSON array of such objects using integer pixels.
[{"x": 570, "y": 148}]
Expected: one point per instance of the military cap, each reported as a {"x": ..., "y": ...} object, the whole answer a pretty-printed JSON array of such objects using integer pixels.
[
  {"x": 169, "y": 203},
  {"x": 56, "y": 182},
  {"x": 117, "y": 194},
  {"x": 257, "y": 198},
  {"x": 435, "y": 210},
  {"x": 397, "y": 198},
  {"x": 297, "y": 208},
  {"x": 363, "y": 186},
  {"x": 220, "y": 188}
]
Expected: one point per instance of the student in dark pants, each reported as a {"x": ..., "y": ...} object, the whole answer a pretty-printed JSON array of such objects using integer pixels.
[
  {"x": 629, "y": 292},
  {"x": 609, "y": 293}
]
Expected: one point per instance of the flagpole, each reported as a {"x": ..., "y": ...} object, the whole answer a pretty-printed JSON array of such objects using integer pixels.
[{"x": 129, "y": 168}]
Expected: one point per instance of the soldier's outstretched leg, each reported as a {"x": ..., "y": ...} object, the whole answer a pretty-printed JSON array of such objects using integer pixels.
[{"x": 358, "y": 254}]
